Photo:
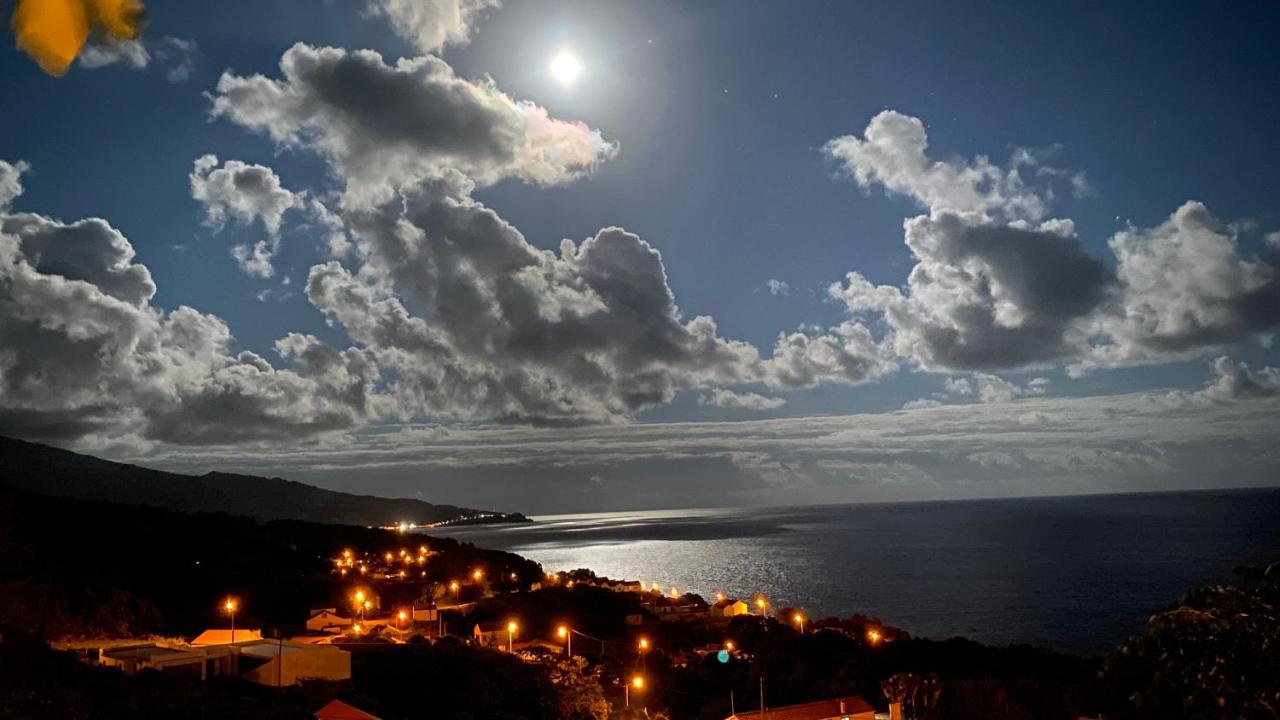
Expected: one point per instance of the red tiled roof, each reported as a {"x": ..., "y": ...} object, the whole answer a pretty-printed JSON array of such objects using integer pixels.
[
  {"x": 338, "y": 710},
  {"x": 812, "y": 711}
]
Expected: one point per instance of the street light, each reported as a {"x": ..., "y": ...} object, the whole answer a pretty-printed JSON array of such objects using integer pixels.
[
  {"x": 564, "y": 632},
  {"x": 643, "y": 645},
  {"x": 874, "y": 637},
  {"x": 454, "y": 586},
  {"x": 511, "y": 635},
  {"x": 637, "y": 682},
  {"x": 798, "y": 618},
  {"x": 230, "y": 606},
  {"x": 762, "y": 604},
  {"x": 477, "y": 574},
  {"x": 401, "y": 617},
  {"x": 728, "y": 645}
]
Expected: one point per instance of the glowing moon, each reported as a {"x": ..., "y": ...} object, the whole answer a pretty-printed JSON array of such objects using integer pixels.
[{"x": 565, "y": 68}]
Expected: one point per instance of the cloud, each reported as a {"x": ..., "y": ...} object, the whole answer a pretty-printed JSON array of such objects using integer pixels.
[
  {"x": 384, "y": 126},
  {"x": 994, "y": 389},
  {"x": 777, "y": 287},
  {"x": 247, "y": 194},
  {"x": 87, "y": 356},
  {"x": 985, "y": 295},
  {"x": 11, "y": 181},
  {"x": 1230, "y": 382},
  {"x": 847, "y": 354},
  {"x": 1038, "y": 445},
  {"x": 517, "y": 334},
  {"x": 431, "y": 24},
  {"x": 995, "y": 286},
  {"x": 1185, "y": 287},
  {"x": 138, "y": 54},
  {"x": 921, "y": 403},
  {"x": 722, "y": 398},
  {"x": 891, "y": 152},
  {"x": 111, "y": 51}
]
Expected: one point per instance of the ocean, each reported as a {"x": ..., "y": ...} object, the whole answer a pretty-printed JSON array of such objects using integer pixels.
[{"x": 1078, "y": 574}]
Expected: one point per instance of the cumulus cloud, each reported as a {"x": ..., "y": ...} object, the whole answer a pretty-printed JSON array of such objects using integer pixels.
[
  {"x": 1185, "y": 286},
  {"x": 847, "y": 354},
  {"x": 1229, "y": 382},
  {"x": 985, "y": 295},
  {"x": 244, "y": 193},
  {"x": 724, "y": 398},
  {"x": 777, "y": 287},
  {"x": 86, "y": 354},
  {"x": 11, "y": 181},
  {"x": 177, "y": 54},
  {"x": 431, "y": 24},
  {"x": 996, "y": 286},
  {"x": 109, "y": 50},
  {"x": 383, "y": 126},
  {"x": 515, "y": 333},
  {"x": 892, "y": 153}
]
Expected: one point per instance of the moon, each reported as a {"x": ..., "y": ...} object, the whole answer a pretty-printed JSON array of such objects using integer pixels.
[{"x": 565, "y": 68}]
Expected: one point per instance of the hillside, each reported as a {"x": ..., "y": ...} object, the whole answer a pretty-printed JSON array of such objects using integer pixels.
[{"x": 62, "y": 473}]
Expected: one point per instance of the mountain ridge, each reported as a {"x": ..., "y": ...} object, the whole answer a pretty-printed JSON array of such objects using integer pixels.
[{"x": 48, "y": 470}]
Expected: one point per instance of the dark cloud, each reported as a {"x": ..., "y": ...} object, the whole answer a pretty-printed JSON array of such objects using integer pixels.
[
  {"x": 86, "y": 354},
  {"x": 1185, "y": 287},
  {"x": 383, "y": 125},
  {"x": 985, "y": 295},
  {"x": 995, "y": 287}
]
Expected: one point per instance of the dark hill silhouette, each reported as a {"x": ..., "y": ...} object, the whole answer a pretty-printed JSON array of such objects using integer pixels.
[{"x": 62, "y": 473}]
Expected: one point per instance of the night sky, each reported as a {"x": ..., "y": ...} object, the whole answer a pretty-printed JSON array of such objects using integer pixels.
[{"x": 751, "y": 254}]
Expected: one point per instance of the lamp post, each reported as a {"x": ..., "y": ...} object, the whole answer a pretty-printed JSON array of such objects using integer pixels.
[
  {"x": 230, "y": 606},
  {"x": 400, "y": 617},
  {"x": 798, "y": 618},
  {"x": 511, "y": 635},
  {"x": 643, "y": 646},
  {"x": 358, "y": 597},
  {"x": 565, "y": 632},
  {"x": 637, "y": 682},
  {"x": 762, "y": 604}
]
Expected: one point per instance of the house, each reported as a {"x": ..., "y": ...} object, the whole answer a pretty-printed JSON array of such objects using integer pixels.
[
  {"x": 327, "y": 620},
  {"x": 225, "y": 637},
  {"x": 276, "y": 663},
  {"x": 280, "y": 663},
  {"x": 195, "y": 662},
  {"x": 729, "y": 607},
  {"x": 338, "y": 710},
  {"x": 426, "y": 614},
  {"x": 848, "y": 708},
  {"x": 491, "y": 634}
]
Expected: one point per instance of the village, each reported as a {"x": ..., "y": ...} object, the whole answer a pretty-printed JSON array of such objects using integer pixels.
[{"x": 621, "y": 631}]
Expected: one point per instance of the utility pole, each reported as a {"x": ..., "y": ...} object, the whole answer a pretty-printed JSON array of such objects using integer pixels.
[{"x": 762, "y": 694}]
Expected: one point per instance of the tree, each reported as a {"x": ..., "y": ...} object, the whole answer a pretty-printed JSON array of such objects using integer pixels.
[{"x": 1214, "y": 655}]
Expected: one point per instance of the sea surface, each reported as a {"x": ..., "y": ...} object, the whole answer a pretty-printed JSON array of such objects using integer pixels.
[{"x": 1077, "y": 574}]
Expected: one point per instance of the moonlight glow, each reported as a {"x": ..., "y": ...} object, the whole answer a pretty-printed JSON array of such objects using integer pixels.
[{"x": 565, "y": 68}]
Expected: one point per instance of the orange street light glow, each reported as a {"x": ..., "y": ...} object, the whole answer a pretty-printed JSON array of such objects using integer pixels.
[
  {"x": 637, "y": 682},
  {"x": 230, "y": 605},
  {"x": 728, "y": 645},
  {"x": 477, "y": 574},
  {"x": 562, "y": 631},
  {"x": 874, "y": 637},
  {"x": 644, "y": 644},
  {"x": 511, "y": 626}
]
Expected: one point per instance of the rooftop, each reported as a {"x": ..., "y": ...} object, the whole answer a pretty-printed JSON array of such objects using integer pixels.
[{"x": 821, "y": 710}]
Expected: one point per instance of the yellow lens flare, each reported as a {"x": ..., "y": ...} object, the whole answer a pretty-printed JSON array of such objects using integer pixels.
[{"x": 52, "y": 32}]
